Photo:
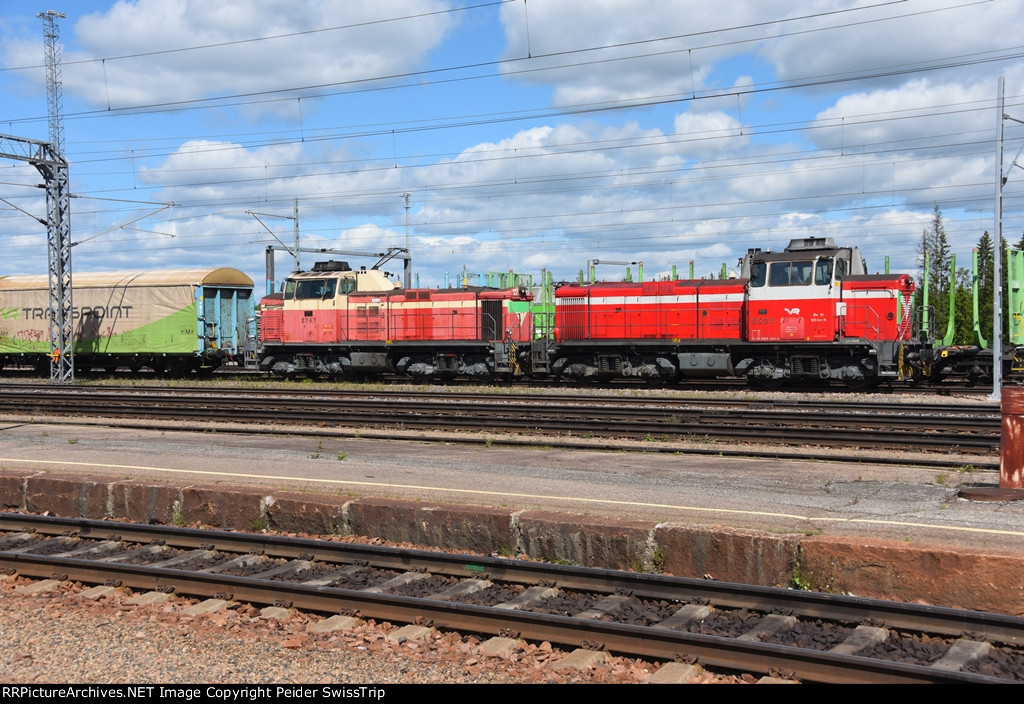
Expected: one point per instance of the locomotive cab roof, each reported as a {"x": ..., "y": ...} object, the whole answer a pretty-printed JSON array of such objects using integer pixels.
[
  {"x": 304, "y": 284},
  {"x": 811, "y": 243},
  {"x": 331, "y": 265},
  {"x": 806, "y": 249}
]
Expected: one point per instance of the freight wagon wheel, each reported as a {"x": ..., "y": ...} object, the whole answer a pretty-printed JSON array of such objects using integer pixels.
[{"x": 174, "y": 368}]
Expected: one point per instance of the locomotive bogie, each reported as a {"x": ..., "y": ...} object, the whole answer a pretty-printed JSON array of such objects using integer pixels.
[
  {"x": 475, "y": 364},
  {"x": 650, "y": 364},
  {"x": 853, "y": 366}
]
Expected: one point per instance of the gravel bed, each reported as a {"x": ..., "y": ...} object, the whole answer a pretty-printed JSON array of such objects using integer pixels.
[{"x": 60, "y": 637}]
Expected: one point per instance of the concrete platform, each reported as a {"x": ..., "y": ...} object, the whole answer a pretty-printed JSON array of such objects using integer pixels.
[{"x": 900, "y": 533}]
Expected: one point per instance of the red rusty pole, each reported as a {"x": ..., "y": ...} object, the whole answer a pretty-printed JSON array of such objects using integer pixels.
[{"x": 1011, "y": 446}]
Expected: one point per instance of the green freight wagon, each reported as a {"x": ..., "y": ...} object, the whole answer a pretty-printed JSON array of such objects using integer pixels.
[{"x": 175, "y": 321}]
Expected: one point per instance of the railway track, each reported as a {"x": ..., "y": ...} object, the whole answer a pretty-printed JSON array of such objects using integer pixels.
[
  {"x": 234, "y": 374},
  {"x": 815, "y": 637},
  {"x": 942, "y": 428}
]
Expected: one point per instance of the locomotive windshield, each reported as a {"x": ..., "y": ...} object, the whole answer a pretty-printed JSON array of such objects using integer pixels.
[
  {"x": 310, "y": 288},
  {"x": 796, "y": 273},
  {"x": 789, "y": 273}
]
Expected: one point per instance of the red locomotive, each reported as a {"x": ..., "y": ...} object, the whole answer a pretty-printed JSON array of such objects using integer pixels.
[
  {"x": 340, "y": 322},
  {"x": 810, "y": 312}
]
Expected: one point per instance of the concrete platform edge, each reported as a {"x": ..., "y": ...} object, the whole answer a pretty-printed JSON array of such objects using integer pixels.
[{"x": 929, "y": 574}]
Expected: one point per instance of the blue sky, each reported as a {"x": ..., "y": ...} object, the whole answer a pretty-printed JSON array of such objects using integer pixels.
[{"x": 530, "y": 135}]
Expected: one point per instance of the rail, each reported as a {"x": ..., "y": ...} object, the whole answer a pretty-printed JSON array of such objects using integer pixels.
[{"x": 724, "y": 625}]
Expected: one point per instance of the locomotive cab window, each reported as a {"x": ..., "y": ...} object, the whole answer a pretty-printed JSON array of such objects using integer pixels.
[
  {"x": 758, "y": 273},
  {"x": 789, "y": 274},
  {"x": 842, "y": 268},
  {"x": 823, "y": 272},
  {"x": 315, "y": 288}
]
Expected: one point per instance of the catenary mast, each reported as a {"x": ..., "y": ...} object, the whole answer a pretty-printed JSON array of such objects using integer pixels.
[{"x": 58, "y": 215}]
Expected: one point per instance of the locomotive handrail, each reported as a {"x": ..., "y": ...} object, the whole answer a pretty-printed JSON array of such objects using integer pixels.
[
  {"x": 868, "y": 310},
  {"x": 517, "y": 328}
]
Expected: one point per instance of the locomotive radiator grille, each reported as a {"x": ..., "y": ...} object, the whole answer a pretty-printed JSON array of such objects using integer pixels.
[{"x": 574, "y": 318}]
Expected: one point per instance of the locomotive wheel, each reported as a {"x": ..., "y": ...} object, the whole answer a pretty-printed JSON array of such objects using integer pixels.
[{"x": 862, "y": 383}]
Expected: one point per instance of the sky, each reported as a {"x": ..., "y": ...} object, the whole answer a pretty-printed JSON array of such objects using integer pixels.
[{"x": 528, "y": 134}]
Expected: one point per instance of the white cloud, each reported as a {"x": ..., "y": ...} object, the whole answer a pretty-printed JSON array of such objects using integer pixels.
[
  {"x": 565, "y": 34},
  {"x": 128, "y": 33},
  {"x": 896, "y": 35},
  {"x": 702, "y": 180}
]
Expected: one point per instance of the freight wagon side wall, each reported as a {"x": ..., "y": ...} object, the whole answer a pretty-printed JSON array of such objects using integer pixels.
[
  {"x": 223, "y": 314},
  {"x": 117, "y": 320}
]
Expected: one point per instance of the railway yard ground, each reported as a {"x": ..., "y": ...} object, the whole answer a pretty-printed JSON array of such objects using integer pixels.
[{"x": 794, "y": 518}]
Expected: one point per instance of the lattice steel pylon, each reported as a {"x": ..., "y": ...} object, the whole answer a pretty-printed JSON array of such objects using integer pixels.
[{"x": 58, "y": 214}]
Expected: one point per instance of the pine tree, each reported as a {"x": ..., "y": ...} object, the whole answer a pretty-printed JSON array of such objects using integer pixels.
[
  {"x": 964, "y": 301},
  {"x": 934, "y": 242},
  {"x": 986, "y": 282}
]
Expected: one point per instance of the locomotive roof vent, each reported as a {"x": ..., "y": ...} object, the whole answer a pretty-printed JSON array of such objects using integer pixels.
[
  {"x": 811, "y": 243},
  {"x": 331, "y": 265}
]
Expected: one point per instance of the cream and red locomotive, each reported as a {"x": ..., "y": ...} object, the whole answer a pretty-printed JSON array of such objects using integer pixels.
[{"x": 342, "y": 322}]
